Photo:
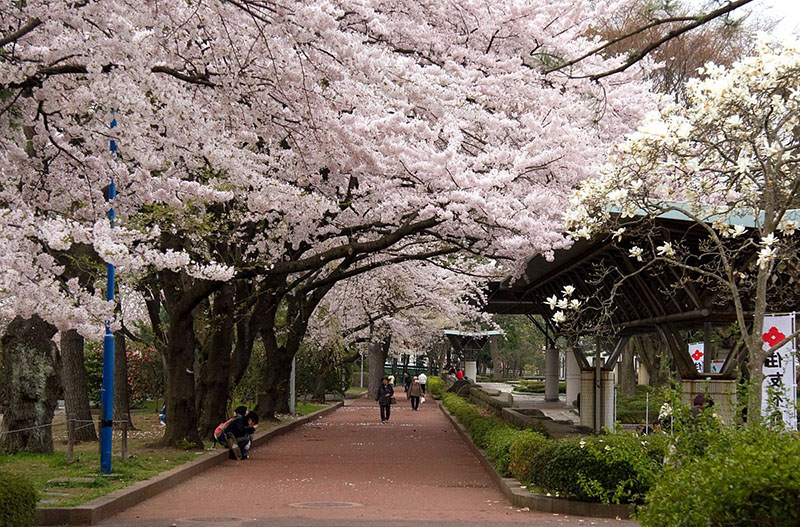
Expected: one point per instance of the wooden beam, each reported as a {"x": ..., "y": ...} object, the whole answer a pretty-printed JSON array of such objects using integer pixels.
[{"x": 612, "y": 359}]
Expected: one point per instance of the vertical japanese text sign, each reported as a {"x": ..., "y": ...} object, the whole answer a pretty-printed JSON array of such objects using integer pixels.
[
  {"x": 697, "y": 352},
  {"x": 778, "y": 391}
]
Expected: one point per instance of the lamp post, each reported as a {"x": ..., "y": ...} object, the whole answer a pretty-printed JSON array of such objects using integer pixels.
[{"x": 107, "y": 391}]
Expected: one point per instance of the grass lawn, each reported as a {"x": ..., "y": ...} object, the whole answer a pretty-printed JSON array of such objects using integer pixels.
[
  {"x": 144, "y": 461},
  {"x": 355, "y": 390}
]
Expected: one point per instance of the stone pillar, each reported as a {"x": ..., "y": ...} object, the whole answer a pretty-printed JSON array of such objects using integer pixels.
[
  {"x": 551, "y": 375},
  {"x": 607, "y": 416},
  {"x": 606, "y": 405},
  {"x": 643, "y": 377},
  {"x": 471, "y": 370},
  {"x": 573, "y": 377},
  {"x": 587, "y": 398}
]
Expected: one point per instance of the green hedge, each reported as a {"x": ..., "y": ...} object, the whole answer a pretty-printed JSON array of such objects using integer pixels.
[
  {"x": 521, "y": 453},
  {"x": 17, "y": 501},
  {"x": 435, "y": 386},
  {"x": 487, "y": 432},
  {"x": 745, "y": 477},
  {"x": 617, "y": 468}
]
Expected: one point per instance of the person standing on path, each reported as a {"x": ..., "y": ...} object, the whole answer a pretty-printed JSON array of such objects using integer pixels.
[
  {"x": 423, "y": 380},
  {"x": 406, "y": 381},
  {"x": 414, "y": 393},
  {"x": 384, "y": 398}
]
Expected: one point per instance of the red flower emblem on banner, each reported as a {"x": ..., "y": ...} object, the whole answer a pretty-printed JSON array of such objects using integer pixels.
[
  {"x": 773, "y": 336},
  {"x": 697, "y": 355}
]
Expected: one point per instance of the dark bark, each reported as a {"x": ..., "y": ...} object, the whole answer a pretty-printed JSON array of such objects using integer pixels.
[
  {"x": 248, "y": 326},
  {"x": 321, "y": 383},
  {"x": 73, "y": 376},
  {"x": 273, "y": 398},
  {"x": 122, "y": 390},
  {"x": 627, "y": 373},
  {"x": 214, "y": 383},
  {"x": 376, "y": 355},
  {"x": 182, "y": 294},
  {"x": 299, "y": 307},
  {"x": 29, "y": 357}
]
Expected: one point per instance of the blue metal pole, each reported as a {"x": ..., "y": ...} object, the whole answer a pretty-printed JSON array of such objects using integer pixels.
[{"x": 107, "y": 392}]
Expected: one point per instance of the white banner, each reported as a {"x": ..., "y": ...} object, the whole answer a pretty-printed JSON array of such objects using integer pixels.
[
  {"x": 697, "y": 352},
  {"x": 779, "y": 391}
]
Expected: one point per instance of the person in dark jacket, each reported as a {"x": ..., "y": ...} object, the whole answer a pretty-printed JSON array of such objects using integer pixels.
[
  {"x": 237, "y": 435},
  {"x": 384, "y": 398},
  {"x": 414, "y": 393},
  {"x": 406, "y": 381}
]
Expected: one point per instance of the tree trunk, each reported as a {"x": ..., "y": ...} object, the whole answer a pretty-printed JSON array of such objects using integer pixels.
[
  {"x": 273, "y": 398},
  {"x": 627, "y": 373},
  {"x": 214, "y": 385},
  {"x": 248, "y": 325},
  {"x": 32, "y": 390},
  {"x": 180, "y": 397},
  {"x": 321, "y": 383},
  {"x": 376, "y": 355},
  {"x": 122, "y": 390},
  {"x": 73, "y": 375}
]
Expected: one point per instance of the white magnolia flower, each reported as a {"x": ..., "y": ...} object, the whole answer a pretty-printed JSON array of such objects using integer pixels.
[
  {"x": 788, "y": 227},
  {"x": 559, "y": 317},
  {"x": 770, "y": 240},
  {"x": 636, "y": 252},
  {"x": 569, "y": 289},
  {"x": 563, "y": 303},
  {"x": 575, "y": 304},
  {"x": 765, "y": 256},
  {"x": 582, "y": 443},
  {"x": 552, "y": 301},
  {"x": 666, "y": 250},
  {"x": 737, "y": 230},
  {"x": 618, "y": 234}
]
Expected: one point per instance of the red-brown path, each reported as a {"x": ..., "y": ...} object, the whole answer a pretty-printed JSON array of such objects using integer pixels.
[{"x": 413, "y": 470}]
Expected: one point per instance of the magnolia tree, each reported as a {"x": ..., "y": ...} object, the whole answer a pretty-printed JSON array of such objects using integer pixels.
[
  {"x": 284, "y": 147},
  {"x": 729, "y": 163}
]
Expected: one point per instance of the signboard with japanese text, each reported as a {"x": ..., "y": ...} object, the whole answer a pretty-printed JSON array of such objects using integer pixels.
[
  {"x": 697, "y": 352},
  {"x": 779, "y": 396}
]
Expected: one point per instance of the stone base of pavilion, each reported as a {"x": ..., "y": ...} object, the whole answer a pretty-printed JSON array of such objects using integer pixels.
[{"x": 557, "y": 418}]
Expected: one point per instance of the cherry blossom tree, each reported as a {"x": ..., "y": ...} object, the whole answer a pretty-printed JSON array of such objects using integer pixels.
[
  {"x": 728, "y": 163},
  {"x": 412, "y": 303},
  {"x": 287, "y": 146}
]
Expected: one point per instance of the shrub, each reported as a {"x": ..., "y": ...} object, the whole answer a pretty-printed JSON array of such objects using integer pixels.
[
  {"x": 499, "y": 441},
  {"x": 435, "y": 386},
  {"x": 521, "y": 453},
  {"x": 617, "y": 468},
  {"x": 17, "y": 501},
  {"x": 746, "y": 477}
]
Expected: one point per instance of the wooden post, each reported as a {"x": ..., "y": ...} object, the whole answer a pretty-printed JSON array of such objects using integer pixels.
[
  {"x": 124, "y": 440},
  {"x": 70, "y": 439}
]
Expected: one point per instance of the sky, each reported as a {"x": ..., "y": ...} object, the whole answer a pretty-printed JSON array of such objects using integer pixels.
[{"x": 787, "y": 11}]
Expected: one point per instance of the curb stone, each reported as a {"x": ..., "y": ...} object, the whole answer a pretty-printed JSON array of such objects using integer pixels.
[
  {"x": 520, "y": 497},
  {"x": 99, "y": 509}
]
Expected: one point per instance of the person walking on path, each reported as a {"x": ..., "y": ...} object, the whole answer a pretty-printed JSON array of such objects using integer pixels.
[
  {"x": 406, "y": 381},
  {"x": 384, "y": 398},
  {"x": 423, "y": 380},
  {"x": 414, "y": 393}
]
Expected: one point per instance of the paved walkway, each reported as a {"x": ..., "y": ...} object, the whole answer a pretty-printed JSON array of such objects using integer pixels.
[{"x": 348, "y": 469}]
